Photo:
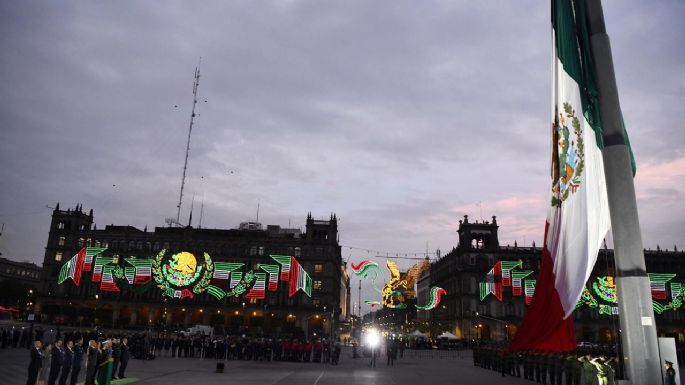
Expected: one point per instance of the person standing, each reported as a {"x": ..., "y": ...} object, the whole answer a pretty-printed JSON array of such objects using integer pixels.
[
  {"x": 45, "y": 365},
  {"x": 116, "y": 352},
  {"x": 105, "y": 364},
  {"x": 389, "y": 351},
  {"x": 56, "y": 362},
  {"x": 91, "y": 362},
  {"x": 670, "y": 373},
  {"x": 35, "y": 363},
  {"x": 123, "y": 359},
  {"x": 602, "y": 367},
  {"x": 66, "y": 363},
  {"x": 76, "y": 363}
]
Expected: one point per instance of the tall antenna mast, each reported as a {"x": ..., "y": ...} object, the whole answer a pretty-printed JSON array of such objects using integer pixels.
[
  {"x": 202, "y": 209},
  {"x": 196, "y": 83},
  {"x": 257, "y": 211}
]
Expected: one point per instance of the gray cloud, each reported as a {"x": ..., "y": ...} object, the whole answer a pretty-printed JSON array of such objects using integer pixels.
[{"x": 398, "y": 117}]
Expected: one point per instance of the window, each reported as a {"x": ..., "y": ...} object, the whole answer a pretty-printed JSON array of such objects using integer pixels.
[
  {"x": 253, "y": 301},
  {"x": 81, "y": 241},
  {"x": 318, "y": 285},
  {"x": 97, "y": 243},
  {"x": 472, "y": 259},
  {"x": 60, "y": 226},
  {"x": 297, "y": 251},
  {"x": 115, "y": 245},
  {"x": 139, "y": 246},
  {"x": 105, "y": 244},
  {"x": 58, "y": 256},
  {"x": 318, "y": 268},
  {"x": 61, "y": 240},
  {"x": 316, "y": 301},
  {"x": 115, "y": 259},
  {"x": 261, "y": 250},
  {"x": 89, "y": 242},
  {"x": 253, "y": 250}
]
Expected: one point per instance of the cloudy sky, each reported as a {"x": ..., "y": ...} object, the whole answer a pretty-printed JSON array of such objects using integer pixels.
[{"x": 399, "y": 116}]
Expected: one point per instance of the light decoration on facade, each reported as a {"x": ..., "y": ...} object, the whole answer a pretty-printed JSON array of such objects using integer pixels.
[
  {"x": 603, "y": 287},
  {"x": 182, "y": 275},
  {"x": 400, "y": 287}
]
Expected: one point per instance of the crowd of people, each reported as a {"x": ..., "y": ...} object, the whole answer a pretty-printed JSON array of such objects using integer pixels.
[
  {"x": 67, "y": 361},
  {"x": 594, "y": 367},
  {"x": 246, "y": 348},
  {"x": 62, "y": 358}
]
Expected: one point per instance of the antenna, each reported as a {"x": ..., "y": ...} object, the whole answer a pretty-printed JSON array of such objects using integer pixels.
[
  {"x": 196, "y": 83},
  {"x": 202, "y": 209},
  {"x": 257, "y": 212}
]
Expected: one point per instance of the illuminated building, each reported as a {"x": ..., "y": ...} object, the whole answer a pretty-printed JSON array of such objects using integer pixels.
[
  {"x": 488, "y": 285},
  {"x": 317, "y": 251}
]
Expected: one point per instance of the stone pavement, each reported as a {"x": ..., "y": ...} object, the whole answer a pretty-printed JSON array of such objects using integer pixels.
[
  {"x": 422, "y": 368},
  {"x": 410, "y": 370}
]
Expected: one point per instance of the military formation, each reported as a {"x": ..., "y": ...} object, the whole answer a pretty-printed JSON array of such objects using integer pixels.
[{"x": 571, "y": 368}]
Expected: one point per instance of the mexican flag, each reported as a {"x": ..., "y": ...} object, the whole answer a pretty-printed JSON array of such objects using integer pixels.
[{"x": 578, "y": 209}]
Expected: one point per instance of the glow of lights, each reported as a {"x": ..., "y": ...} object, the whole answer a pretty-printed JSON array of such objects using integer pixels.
[
  {"x": 372, "y": 338},
  {"x": 183, "y": 275},
  {"x": 254, "y": 313},
  {"x": 236, "y": 312}
]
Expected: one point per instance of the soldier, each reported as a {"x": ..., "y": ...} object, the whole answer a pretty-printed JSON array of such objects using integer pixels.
[
  {"x": 588, "y": 369},
  {"x": 536, "y": 366}
]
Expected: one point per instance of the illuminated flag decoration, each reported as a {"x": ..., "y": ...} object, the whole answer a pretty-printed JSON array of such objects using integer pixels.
[
  {"x": 506, "y": 268},
  {"x": 91, "y": 252},
  {"x": 657, "y": 283},
  {"x": 100, "y": 262},
  {"x": 299, "y": 279},
  {"x": 185, "y": 293},
  {"x": 529, "y": 290},
  {"x": 677, "y": 290},
  {"x": 72, "y": 269},
  {"x": 493, "y": 283},
  {"x": 140, "y": 271},
  {"x": 285, "y": 262},
  {"x": 107, "y": 282},
  {"x": 578, "y": 208},
  {"x": 258, "y": 290},
  {"x": 516, "y": 278},
  {"x": 236, "y": 276},
  {"x": 272, "y": 270},
  {"x": 434, "y": 298},
  {"x": 222, "y": 269}
]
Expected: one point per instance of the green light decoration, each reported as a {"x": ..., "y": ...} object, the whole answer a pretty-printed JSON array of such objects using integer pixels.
[
  {"x": 605, "y": 288},
  {"x": 587, "y": 299},
  {"x": 182, "y": 275},
  {"x": 399, "y": 287},
  {"x": 435, "y": 294}
]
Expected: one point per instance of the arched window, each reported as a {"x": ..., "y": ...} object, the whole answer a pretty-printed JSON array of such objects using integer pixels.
[{"x": 81, "y": 241}]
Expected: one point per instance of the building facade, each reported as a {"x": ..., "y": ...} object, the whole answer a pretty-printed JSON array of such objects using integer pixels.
[
  {"x": 488, "y": 286},
  {"x": 317, "y": 251},
  {"x": 18, "y": 284}
]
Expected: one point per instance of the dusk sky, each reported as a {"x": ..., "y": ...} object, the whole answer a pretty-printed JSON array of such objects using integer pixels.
[{"x": 398, "y": 116}]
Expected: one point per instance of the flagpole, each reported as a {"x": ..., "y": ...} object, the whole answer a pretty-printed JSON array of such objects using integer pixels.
[{"x": 638, "y": 329}]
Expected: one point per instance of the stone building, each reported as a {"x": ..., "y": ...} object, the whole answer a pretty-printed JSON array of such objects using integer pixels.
[
  {"x": 317, "y": 251},
  {"x": 483, "y": 303}
]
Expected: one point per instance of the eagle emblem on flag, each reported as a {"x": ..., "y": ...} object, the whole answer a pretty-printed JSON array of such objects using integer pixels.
[{"x": 569, "y": 155}]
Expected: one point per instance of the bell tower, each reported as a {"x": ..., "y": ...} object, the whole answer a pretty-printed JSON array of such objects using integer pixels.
[{"x": 478, "y": 235}]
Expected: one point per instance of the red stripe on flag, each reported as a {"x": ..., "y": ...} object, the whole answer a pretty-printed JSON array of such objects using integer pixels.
[{"x": 544, "y": 327}]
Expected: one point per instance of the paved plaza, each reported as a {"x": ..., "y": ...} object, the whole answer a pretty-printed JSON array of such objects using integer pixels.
[{"x": 425, "y": 369}]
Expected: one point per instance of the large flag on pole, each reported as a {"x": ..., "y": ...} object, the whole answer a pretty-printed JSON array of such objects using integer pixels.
[{"x": 578, "y": 211}]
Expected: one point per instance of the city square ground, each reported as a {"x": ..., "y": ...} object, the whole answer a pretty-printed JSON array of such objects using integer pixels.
[
  {"x": 422, "y": 368},
  {"x": 453, "y": 368}
]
